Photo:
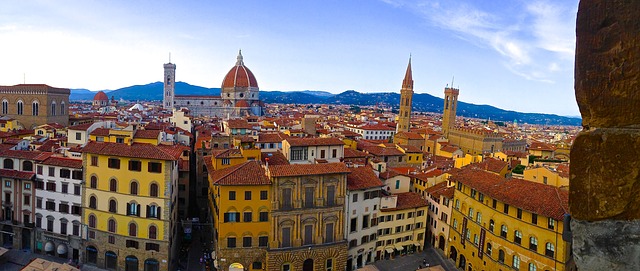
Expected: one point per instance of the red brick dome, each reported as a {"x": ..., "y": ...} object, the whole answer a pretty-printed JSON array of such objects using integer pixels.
[
  {"x": 242, "y": 103},
  {"x": 239, "y": 76},
  {"x": 100, "y": 96}
]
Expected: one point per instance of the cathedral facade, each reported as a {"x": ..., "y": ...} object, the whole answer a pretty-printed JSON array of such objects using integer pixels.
[{"x": 239, "y": 95}]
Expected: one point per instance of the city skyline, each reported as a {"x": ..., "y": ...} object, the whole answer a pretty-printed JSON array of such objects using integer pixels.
[{"x": 514, "y": 55}]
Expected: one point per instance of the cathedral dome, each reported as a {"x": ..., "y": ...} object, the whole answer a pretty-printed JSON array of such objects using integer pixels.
[
  {"x": 239, "y": 76},
  {"x": 242, "y": 103},
  {"x": 100, "y": 96}
]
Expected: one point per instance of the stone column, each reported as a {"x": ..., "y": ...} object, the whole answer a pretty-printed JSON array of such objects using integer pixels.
[{"x": 605, "y": 168}]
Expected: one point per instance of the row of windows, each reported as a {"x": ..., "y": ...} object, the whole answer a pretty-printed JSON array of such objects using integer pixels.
[
  {"x": 112, "y": 228},
  {"x": 52, "y": 186},
  {"x": 133, "y": 208},
  {"x": 62, "y": 173},
  {"x": 286, "y": 198},
  {"x": 308, "y": 234},
  {"x": 366, "y": 222},
  {"x": 389, "y": 218},
  {"x": 399, "y": 240},
  {"x": 247, "y": 241},
  {"x": 75, "y": 228},
  {"x": 35, "y": 108},
  {"x": 246, "y": 217},
  {"x": 248, "y": 195},
  {"x": 7, "y": 163},
  {"x": 399, "y": 229},
  {"x": 133, "y": 165},
  {"x": 365, "y": 239},
  {"x": 133, "y": 186},
  {"x": 515, "y": 260},
  {"x": 367, "y": 195},
  {"x": 63, "y": 207}
]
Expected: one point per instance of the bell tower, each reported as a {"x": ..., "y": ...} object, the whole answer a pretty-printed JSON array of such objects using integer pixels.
[
  {"x": 406, "y": 96},
  {"x": 450, "y": 106},
  {"x": 169, "y": 85}
]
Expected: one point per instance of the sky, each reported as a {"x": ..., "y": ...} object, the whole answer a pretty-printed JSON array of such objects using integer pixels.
[{"x": 512, "y": 54}]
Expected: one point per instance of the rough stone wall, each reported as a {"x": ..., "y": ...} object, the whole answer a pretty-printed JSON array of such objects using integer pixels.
[{"x": 605, "y": 175}]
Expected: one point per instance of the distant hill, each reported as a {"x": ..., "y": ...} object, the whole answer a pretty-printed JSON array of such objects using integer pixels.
[{"x": 421, "y": 102}]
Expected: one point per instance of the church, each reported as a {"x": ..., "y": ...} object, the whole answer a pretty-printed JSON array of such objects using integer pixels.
[{"x": 239, "y": 95}]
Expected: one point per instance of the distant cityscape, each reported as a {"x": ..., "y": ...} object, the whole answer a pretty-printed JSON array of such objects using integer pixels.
[{"x": 241, "y": 179}]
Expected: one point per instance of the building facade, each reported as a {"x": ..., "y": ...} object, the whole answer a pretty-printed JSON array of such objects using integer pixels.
[
  {"x": 35, "y": 104},
  {"x": 401, "y": 225}
]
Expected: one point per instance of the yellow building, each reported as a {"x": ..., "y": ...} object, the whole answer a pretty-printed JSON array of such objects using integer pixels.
[
  {"x": 467, "y": 160},
  {"x": 307, "y": 217},
  {"x": 401, "y": 225},
  {"x": 507, "y": 224},
  {"x": 127, "y": 204},
  {"x": 7, "y": 124},
  {"x": 548, "y": 175},
  {"x": 412, "y": 155},
  {"x": 240, "y": 201},
  {"x": 227, "y": 158}
]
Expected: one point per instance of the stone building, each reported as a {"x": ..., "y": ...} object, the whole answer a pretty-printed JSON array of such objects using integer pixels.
[
  {"x": 406, "y": 96},
  {"x": 35, "y": 104},
  {"x": 239, "y": 94}
]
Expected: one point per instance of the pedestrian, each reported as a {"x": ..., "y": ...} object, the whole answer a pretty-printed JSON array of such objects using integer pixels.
[{"x": 424, "y": 261}]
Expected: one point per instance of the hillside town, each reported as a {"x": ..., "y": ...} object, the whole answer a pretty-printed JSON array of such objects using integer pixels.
[{"x": 229, "y": 182}]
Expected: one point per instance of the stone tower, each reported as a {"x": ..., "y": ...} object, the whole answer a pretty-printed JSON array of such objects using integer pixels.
[
  {"x": 450, "y": 106},
  {"x": 169, "y": 85},
  {"x": 406, "y": 96}
]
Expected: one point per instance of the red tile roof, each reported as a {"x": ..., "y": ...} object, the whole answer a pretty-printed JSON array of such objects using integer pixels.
[
  {"x": 16, "y": 174},
  {"x": 407, "y": 200},
  {"x": 490, "y": 164},
  {"x": 247, "y": 173},
  {"x": 388, "y": 174},
  {"x": 28, "y": 155},
  {"x": 136, "y": 150},
  {"x": 148, "y": 134},
  {"x": 274, "y": 158},
  {"x": 537, "y": 198},
  {"x": 541, "y": 146},
  {"x": 324, "y": 141},
  {"x": 382, "y": 151},
  {"x": 440, "y": 189},
  {"x": 409, "y": 135},
  {"x": 238, "y": 124},
  {"x": 81, "y": 127},
  {"x": 307, "y": 169},
  {"x": 563, "y": 170},
  {"x": 351, "y": 153},
  {"x": 271, "y": 137},
  {"x": 362, "y": 178},
  {"x": 100, "y": 132},
  {"x": 63, "y": 162}
]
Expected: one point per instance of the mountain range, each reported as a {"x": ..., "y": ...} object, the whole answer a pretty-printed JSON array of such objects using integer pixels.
[{"x": 421, "y": 101}]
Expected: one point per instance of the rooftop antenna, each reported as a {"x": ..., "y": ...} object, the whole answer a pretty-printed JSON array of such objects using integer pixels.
[
  {"x": 453, "y": 77},
  {"x": 169, "y": 57}
]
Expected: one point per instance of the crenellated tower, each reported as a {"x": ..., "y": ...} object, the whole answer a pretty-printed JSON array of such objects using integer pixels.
[
  {"x": 450, "y": 106},
  {"x": 406, "y": 96}
]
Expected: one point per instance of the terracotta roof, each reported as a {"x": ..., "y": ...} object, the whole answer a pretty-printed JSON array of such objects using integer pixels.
[
  {"x": 563, "y": 170},
  {"x": 271, "y": 137},
  {"x": 317, "y": 141},
  {"x": 490, "y": 164},
  {"x": 362, "y": 178},
  {"x": 242, "y": 103},
  {"x": 537, "y": 198},
  {"x": 28, "y": 155},
  {"x": 409, "y": 135},
  {"x": 274, "y": 158},
  {"x": 388, "y": 174},
  {"x": 351, "y": 153},
  {"x": 80, "y": 127},
  {"x": 100, "y": 132},
  {"x": 136, "y": 150},
  {"x": 430, "y": 174},
  {"x": 63, "y": 162},
  {"x": 382, "y": 151},
  {"x": 407, "y": 200},
  {"x": 227, "y": 153},
  {"x": 449, "y": 148},
  {"x": 100, "y": 96},
  {"x": 16, "y": 174},
  {"x": 238, "y": 124},
  {"x": 307, "y": 169},
  {"x": 247, "y": 173},
  {"x": 149, "y": 134},
  {"x": 239, "y": 76},
  {"x": 540, "y": 146},
  {"x": 438, "y": 189},
  {"x": 410, "y": 149}
]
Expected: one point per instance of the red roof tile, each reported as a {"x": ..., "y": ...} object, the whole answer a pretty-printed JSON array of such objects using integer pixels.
[
  {"x": 307, "y": 169},
  {"x": 16, "y": 174},
  {"x": 148, "y": 134},
  {"x": 274, "y": 158},
  {"x": 271, "y": 137},
  {"x": 247, "y": 173},
  {"x": 362, "y": 178},
  {"x": 324, "y": 141},
  {"x": 490, "y": 164},
  {"x": 100, "y": 132},
  {"x": 409, "y": 135},
  {"x": 136, "y": 150},
  {"x": 63, "y": 162},
  {"x": 351, "y": 153},
  {"x": 407, "y": 200}
]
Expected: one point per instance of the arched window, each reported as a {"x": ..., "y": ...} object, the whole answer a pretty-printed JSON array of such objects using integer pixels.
[
  {"x": 20, "y": 106},
  {"x": 94, "y": 182},
  {"x": 491, "y": 225},
  {"x": 516, "y": 262},
  {"x": 5, "y": 107},
  {"x": 549, "y": 250},
  {"x": 153, "y": 190},
  {"x": 503, "y": 231},
  {"x": 8, "y": 163},
  {"x": 133, "y": 229},
  {"x": 53, "y": 108},
  {"x": 92, "y": 221},
  {"x": 153, "y": 211},
  {"x": 27, "y": 166},
  {"x": 501, "y": 256},
  {"x": 113, "y": 206},
  {"x": 93, "y": 202},
  {"x": 134, "y": 188},
  {"x": 113, "y": 185},
  {"x": 35, "y": 108},
  {"x": 62, "y": 109},
  {"x": 153, "y": 232},
  {"x": 517, "y": 237},
  {"x": 532, "y": 267},
  {"x": 479, "y": 217},
  {"x": 489, "y": 248},
  {"x": 112, "y": 225},
  {"x": 133, "y": 209},
  {"x": 533, "y": 243}
]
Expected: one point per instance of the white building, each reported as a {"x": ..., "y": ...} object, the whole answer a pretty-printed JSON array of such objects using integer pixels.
[
  {"x": 313, "y": 150},
  {"x": 179, "y": 119},
  {"x": 361, "y": 206},
  {"x": 59, "y": 207},
  {"x": 440, "y": 197},
  {"x": 79, "y": 134},
  {"x": 372, "y": 131}
]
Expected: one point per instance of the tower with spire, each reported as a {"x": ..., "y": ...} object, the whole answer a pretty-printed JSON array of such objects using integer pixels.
[
  {"x": 406, "y": 96},
  {"x": 169, "y": 85}
]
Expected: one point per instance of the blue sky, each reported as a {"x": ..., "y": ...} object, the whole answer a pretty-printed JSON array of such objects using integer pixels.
[{"x": 513, "y": 54}]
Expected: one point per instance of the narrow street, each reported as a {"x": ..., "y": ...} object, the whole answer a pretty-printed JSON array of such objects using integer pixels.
[{"x": 414, "y": 261}]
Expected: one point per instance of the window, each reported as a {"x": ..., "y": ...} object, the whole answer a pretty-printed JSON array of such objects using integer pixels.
[
  {"x": 111, "y": 225},
  {"x": 489, "y": 248},
  {"x": 152, "y": 246},
  {"x": 94, "y": 160},
  {"x": 532, "y": 267},
  {"x": 286, "y": 198},
  {"x": 20, "y": 105},
  {"x": 65, "y": 188},
  {"x": 355, "y": 197},
  {"x": 247, "y": 217},
  {"x": 286, "y": 267},
  {"x": 516, "y": 262},
  {"x": 247, "y": 195},
  {"x": 246, "y": 241},
  {"x": 155, "y": 167},
  {"x": 534, "y": 219},
  {"x": 132, "y": 243},
  {"x": 263, "y": 195},
  {"x": 93, "y": 202},
  {"x": 328, "y": 228},
  {"x": 5, "y": 107},
  {"x": 264, "y": 216},
  {"x": 133, "y": 187},
  {"x": 76, "y": 229},
  {"x": 494, "y": 204},
  {"x": 232, "y": 217},
  {"x": 113, "y": 185},
  {"x": 92, "y": 221},
  {"x": 334, "y": 153},
  {"x": 133, "y": 229},
  {"x": 503, "y": 231},
  {"x": 50, "y": 225},
  {"x": 7, "y": 183},
  {"x": 62, "y": 111},
  {"x": 286, "y": 237},
  {"x": 39, "y": 203},
  {"x": 113, "y": 206},
  {"x": 365, "y": 221},
  {"x": 354, "y": 225},
  {"x": 53, "y": 109},
  {"x": 76, "y": 210},
  {"x": 473, "y": 193},
  {"x": 322, "y": 152},
  {"x": 506, "y": 209},
  {"x": 135, "y": 165},
  {"x": 478, "y": 217},
  {"x": 52, "y": 170},
  {"x": 153, "y": 211},
  {"x": 133, "y": 209},
  {"x": 549, "y": 251},
  {"x": 471, "y": 213},
  {"x": 232, "y": 195},
  {"x": 114, "y": 163},
  {"x": 457, "y": 204},
  {"x": 263, "y": 241},
  {"x": 65, "y": 173},
  {"x": 94, "y": 182},
  {"x": 298, "y": 153},
  {"x": 533, "y": 243},
  {"x": 501, "y": 256},
  {"x": 481, "y": 197},
  {"x": 153, "y": 190},
  {"x": 551, "y": 224},
  {"x": 397, "y": 184},
  {"x": 27, "y": 200},
  {"x": 519, "y": 213},
  {"x": 39, "y": 170},
  {"x": 517, "y": 237},
  {"x": 63, "y": 208},
  {"x": 308, "y": 235},
  {"x": 51, "y": 186},
  {"x": 226, "y": 161}
]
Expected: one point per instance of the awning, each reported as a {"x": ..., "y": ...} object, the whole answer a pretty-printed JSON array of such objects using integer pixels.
[
  {"x": 62, "y": 249},
  {"x": 49, "y": 246},
  {"x": 389, "y": 250},
  {"x": 399, "y": 247},
  {"x": 416, "y": 244},
  {"x": 3, "y": 251}
]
